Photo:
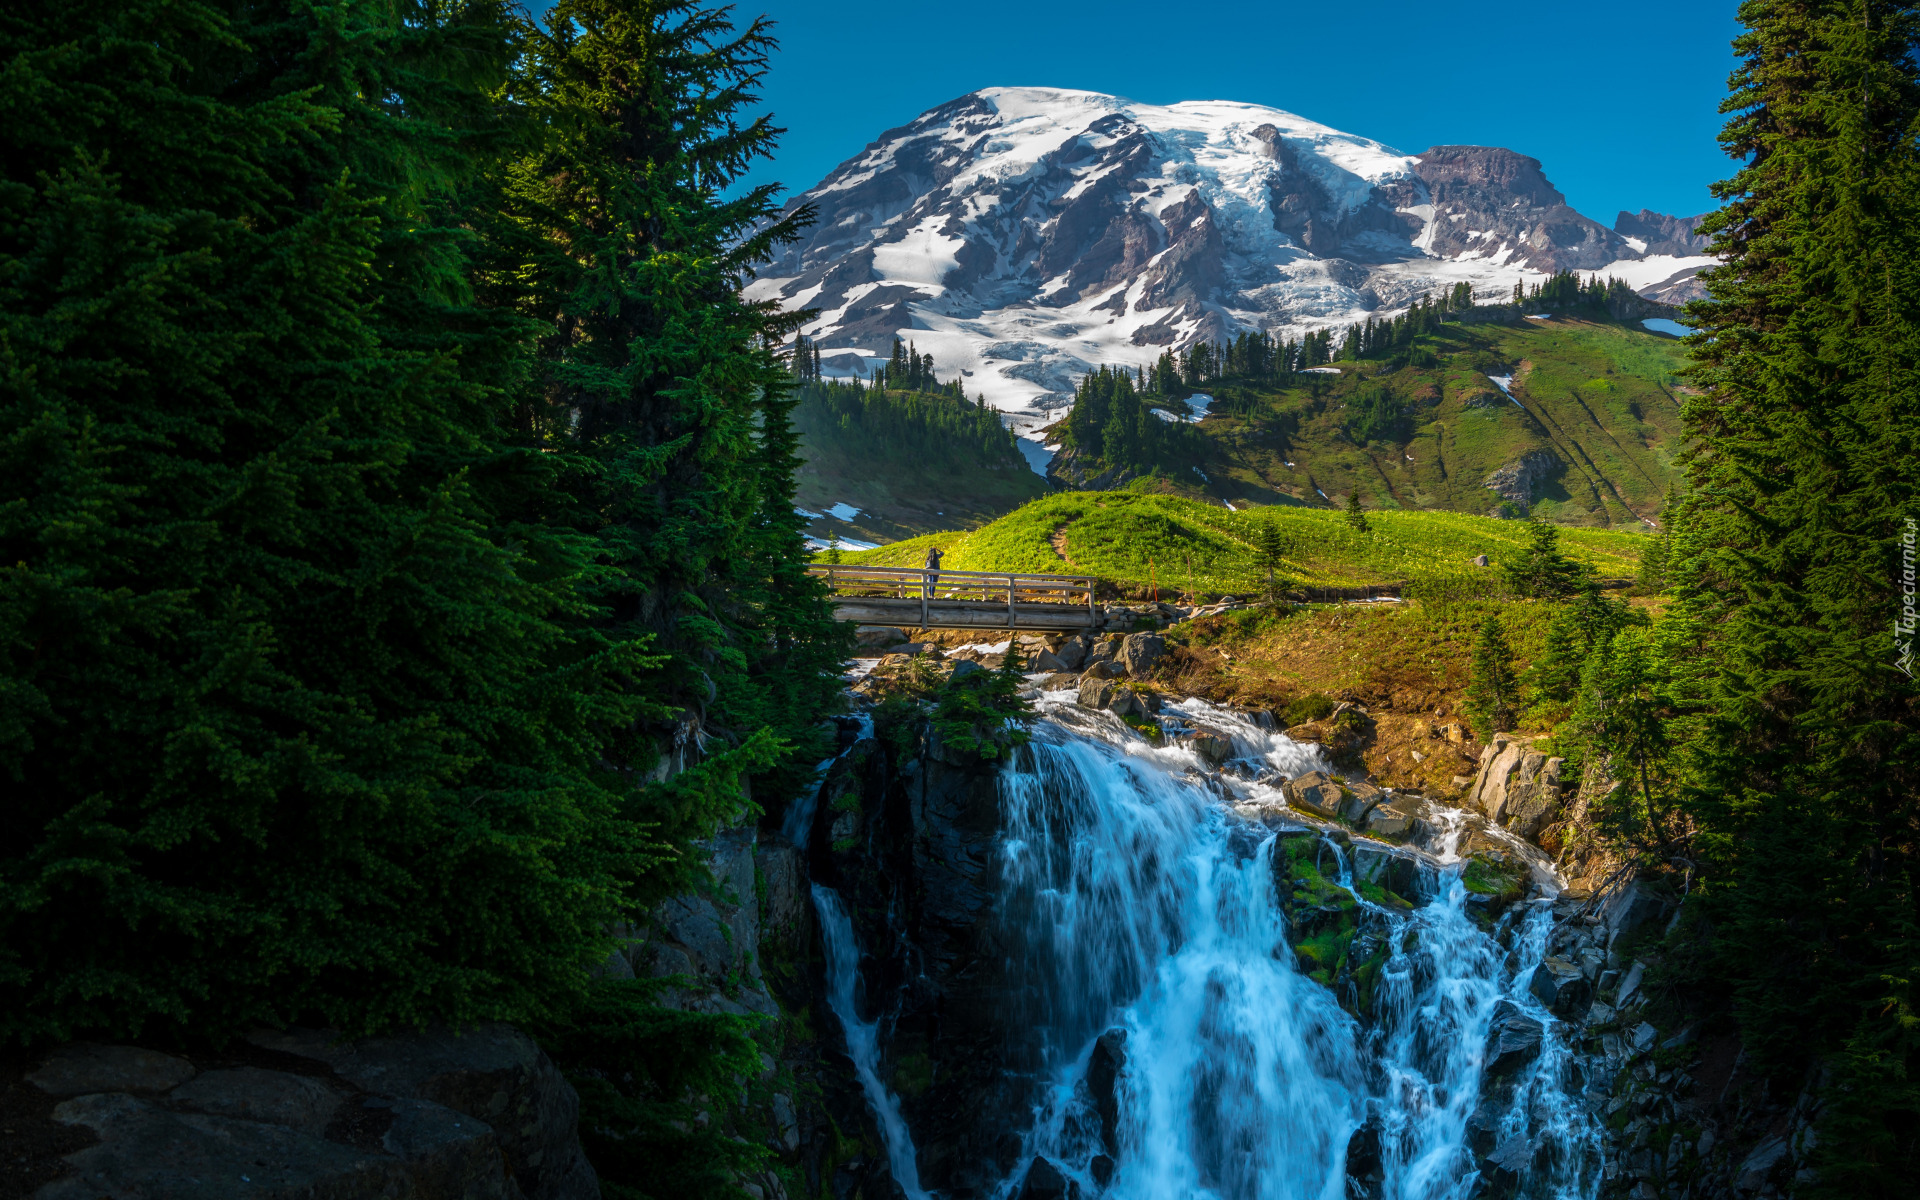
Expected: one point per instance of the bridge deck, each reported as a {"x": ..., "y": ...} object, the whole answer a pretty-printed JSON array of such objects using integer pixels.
[{"x": 915, "y": 598}]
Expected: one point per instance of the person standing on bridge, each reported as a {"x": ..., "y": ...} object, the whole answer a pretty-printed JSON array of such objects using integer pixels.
[{"x": 933, "y": 570}]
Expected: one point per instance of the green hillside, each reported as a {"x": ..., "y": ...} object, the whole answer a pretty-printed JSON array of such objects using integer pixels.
[
  {"x": 912, "y": 461},
  {"x": 1425, "y": 428},
  {"x": 1131, "y": 538}
]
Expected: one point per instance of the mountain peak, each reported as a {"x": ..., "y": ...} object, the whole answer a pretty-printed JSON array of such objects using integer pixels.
[{"x": 1026, "y": 235}]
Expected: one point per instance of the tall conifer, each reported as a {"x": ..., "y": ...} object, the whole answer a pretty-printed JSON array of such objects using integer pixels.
[{"x": 1802, "y": 486}]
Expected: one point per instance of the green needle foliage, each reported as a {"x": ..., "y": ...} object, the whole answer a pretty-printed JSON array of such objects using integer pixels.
[
  {"x": 1542, "y": 570},
  {"x": 396, "y": 503},
  {"x": 300, "y": 720},
  {"x": 1356, "y": 516},
  {"x": 1493, "y": 693},
  {"x": 1787, "y": 564}
]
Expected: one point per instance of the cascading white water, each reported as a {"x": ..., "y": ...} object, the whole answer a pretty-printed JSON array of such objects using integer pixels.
[
  {"x": 1147, "y": 906},
  {"x": 1134, "y": 899},
  {"x": 863, "y": 1046}
]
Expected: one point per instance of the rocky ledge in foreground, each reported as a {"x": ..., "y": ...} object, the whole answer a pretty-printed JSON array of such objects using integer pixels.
[{"x": 477, "y": 1115}]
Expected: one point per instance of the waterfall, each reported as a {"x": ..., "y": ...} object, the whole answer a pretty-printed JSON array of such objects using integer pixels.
[
  {"x": 863, "y": 1038},
  {"x": 1153, "y": 983}
]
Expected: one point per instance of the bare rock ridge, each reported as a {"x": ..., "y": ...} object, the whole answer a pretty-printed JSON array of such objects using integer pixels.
[{"x": 1024, "y": 236}]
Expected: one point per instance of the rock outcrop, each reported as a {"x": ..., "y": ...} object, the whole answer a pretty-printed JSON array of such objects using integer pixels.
[
  {"x": 1517, "y": 788},
  {"x": 1519, "y": 481},
  {"x": 303, "y": 1113}
]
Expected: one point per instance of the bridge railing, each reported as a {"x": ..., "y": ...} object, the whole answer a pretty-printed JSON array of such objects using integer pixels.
[{"x": 945, "y": 588}]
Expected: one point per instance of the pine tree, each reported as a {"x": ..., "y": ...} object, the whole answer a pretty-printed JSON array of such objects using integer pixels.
[
  {"x": 1493, "y": 694},
  {"x": 1542, "y": 571},
  {"x": 301, "y": 723},
  {"x": 1271, "y": 550},
  {"x": 1356, "y": 517},
  {"x": 1804, "y": 765}
]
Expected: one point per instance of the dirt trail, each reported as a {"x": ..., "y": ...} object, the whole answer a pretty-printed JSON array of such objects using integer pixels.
[{"x": 1058, "y": 540}]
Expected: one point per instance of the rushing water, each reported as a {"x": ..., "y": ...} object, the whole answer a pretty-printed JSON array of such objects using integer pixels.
[{"x": 1144, "y": 909}]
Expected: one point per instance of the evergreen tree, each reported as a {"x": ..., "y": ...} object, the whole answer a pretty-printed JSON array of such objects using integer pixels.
[
  {"x": 1542, "y": 570},
  {"x": 1356, "y": 517},
  {"x": 1804, "y": 764},
  {"x": 1492, "y": 696},
  {"x": 301, "y": 722},
  {"x": 1271, "y": 550}
]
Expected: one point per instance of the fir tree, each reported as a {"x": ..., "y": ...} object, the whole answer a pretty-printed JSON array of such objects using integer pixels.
[
  {"x": 1271, "y": 551},
  {"x": 1541, "y": 570},
  {"x": 1356, "y": 517},
  {"x": 1804, "y": 763},
  {"x": 1492, "y": 695}
]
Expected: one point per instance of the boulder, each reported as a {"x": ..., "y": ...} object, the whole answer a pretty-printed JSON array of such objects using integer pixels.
[
  {"x": 1126, "y": 703},
  {"x": 878, "y": 637},
  {"x": 963, "y": 669},
  {"x": 1359, "y": 799},
  {"x": 480, "y": 1115},
  {"x": 1395, "y": 818},
  {"x": 493, "y": 1072},
  {"x": 1316, "y": 793},
  {"x": 1479, "y": 560},
  {"x": 1208, "y": 746},
  {"x": 1096, "y": 692},
  {"x": 1059, "y": 681},
  {"x": 1560, "y": 986},
  {"x": 1630, "y": 909},
  {"x": 81, "y": 1067},
  {"x": 1104, "y": 668},
  {"x": 1139, "y": 652},
  {"x": 1513, "y": 1040},
  {"x": 1072, "y": 653},
  {"x": 1045, "y": 1182},
  {"x": 1104, "y": 1066},
  {"x": 1046, "y": 661}
]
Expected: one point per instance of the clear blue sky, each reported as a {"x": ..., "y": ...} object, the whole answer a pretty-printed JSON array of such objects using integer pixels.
[{"x": 1618, "y": 101}]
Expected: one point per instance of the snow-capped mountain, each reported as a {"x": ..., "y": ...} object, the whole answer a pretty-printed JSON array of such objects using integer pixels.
[{"x": 1024, "y": 236}]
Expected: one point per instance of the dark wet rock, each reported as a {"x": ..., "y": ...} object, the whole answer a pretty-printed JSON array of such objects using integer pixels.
[
  {"x": 1366, "y": 1171},
  {"x": 1212, "y": 748},
  {"x": 1101, "y": 1168},
  {"x": 494, "y": 1073},
  {"x": 477, "y": 1115},
  {"x": 1513, "y": 1040},
  {"x": 81, "y": 1067},
  {"x": 1560, "y": 986},
  {"x": 1103, "y": 1074},
  {"x": 1045, "y": 1182},
  {"x": 273, "y": 1097}
]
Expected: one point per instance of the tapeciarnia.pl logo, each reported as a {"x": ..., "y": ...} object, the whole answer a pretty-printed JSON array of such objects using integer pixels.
[{"x": 1903, "y": 624}]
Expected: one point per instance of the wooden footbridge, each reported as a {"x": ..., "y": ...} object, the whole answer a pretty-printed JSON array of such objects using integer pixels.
[{"x": 913, "y": 598}]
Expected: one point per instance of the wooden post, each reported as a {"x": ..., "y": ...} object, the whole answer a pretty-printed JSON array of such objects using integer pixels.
[
  {"x": 1093, "y": 610},
  {"x": 1010, "y": 581}
]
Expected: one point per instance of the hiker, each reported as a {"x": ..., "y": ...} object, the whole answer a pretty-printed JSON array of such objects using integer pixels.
[{"x": 933, "y": 569}]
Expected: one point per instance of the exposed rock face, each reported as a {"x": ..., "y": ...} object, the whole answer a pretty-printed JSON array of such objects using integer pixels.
[
  {"x": 1663, "y": 234},
  {"x": 1025, "y": 235},
  {"x": 1519, "y": 480},
  {"x": 1516, "y": 787},
  {"x": 712, "y": 938},
  {"x": 480, "y": 1114},
  {"x": 1487, "y": 199}
]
